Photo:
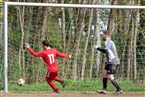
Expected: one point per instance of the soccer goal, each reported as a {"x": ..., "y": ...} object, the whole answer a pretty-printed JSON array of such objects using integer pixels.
[{"x": 72, "y": 29}]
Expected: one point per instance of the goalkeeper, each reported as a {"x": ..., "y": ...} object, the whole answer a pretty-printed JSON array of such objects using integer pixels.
[
  {"x": 111, "y": 64},
  {"x": 49, "y": 56}
]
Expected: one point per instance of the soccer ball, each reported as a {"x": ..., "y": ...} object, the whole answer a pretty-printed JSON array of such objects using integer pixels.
[{"x": 21, "y": 82}]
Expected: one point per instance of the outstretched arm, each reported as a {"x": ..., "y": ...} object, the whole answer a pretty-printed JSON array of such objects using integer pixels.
[
  {"x": 101, "y": 49},
  {"x": 37, "y": 54},
  {"x": 62, "y": 55}
]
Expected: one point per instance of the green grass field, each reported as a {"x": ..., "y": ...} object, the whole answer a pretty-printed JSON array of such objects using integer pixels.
[{"x": 78, "y": 86}]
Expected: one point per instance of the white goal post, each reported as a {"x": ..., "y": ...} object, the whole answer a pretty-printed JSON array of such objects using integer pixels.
[{"x": 6, "y": 4}]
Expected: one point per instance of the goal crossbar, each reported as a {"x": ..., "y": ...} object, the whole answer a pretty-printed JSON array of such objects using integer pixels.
[
  {"x": 75, "y": 5},
  {"x": 6, "y": 4}
]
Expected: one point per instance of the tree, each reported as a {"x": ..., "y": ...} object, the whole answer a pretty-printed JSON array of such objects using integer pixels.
[
  {"x": 87, "y": 40},
  {"x": 79, "y": 29}
]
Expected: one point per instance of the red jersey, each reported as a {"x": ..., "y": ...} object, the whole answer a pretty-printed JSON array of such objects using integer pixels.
[{"x": 49, "y": 57}]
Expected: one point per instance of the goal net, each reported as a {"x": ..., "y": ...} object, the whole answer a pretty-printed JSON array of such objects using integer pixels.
[{"x": 72, "y": 29}]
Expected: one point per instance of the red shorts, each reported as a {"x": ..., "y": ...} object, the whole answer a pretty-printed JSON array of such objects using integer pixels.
[{"x": 51, "y": 76}]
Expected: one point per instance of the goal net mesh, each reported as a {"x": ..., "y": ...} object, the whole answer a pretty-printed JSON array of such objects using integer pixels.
[{"x": 74, "y": 31}]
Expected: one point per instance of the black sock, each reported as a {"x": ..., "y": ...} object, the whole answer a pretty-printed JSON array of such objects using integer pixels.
[
  {"x": 114, "y": 82},
  {"x": 105, "y": 83}
]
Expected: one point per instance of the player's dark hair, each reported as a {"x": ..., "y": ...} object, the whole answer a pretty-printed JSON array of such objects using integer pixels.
[
  {"x": 106, "y": 32},
  {"x": 46, "y": 43}
]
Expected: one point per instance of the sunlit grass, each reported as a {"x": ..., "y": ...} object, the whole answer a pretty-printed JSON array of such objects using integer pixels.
[{"x": 78, "y": 86}]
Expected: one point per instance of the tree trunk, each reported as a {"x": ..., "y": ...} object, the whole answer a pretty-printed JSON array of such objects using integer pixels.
[
  {"x": 130, "y": 48},
  {"x": 126, "y": 26},
  {"x": 1, "y": 33},
  {"x": 21, "y": 50},
  {"x": 70, "y": 38},
  {"x": 136, "y": 22},
  {"x": 79, "y": 29},
  {"x": 63, "y": 36},
  {"x": 96, "y": 40},
  {"x": 112, "y": 17},
  {"x": 86, "y": 44}
]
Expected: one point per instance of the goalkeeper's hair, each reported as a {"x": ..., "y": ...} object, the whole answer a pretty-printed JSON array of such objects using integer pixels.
[
  {"x": 46, "y": 43},
  {"x": 106, "y": 33}
]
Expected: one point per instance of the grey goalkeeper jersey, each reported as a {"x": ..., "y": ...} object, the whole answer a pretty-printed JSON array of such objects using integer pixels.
[
  {"x": 111, "y": 53},
  {"x": 112, "y": 56}
]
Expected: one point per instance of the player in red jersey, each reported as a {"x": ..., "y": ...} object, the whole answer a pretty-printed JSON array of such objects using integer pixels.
[{"x": 49, "y": 56}]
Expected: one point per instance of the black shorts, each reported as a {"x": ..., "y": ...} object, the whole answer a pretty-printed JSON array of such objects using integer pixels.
[{"x": 111, "y": 69}]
